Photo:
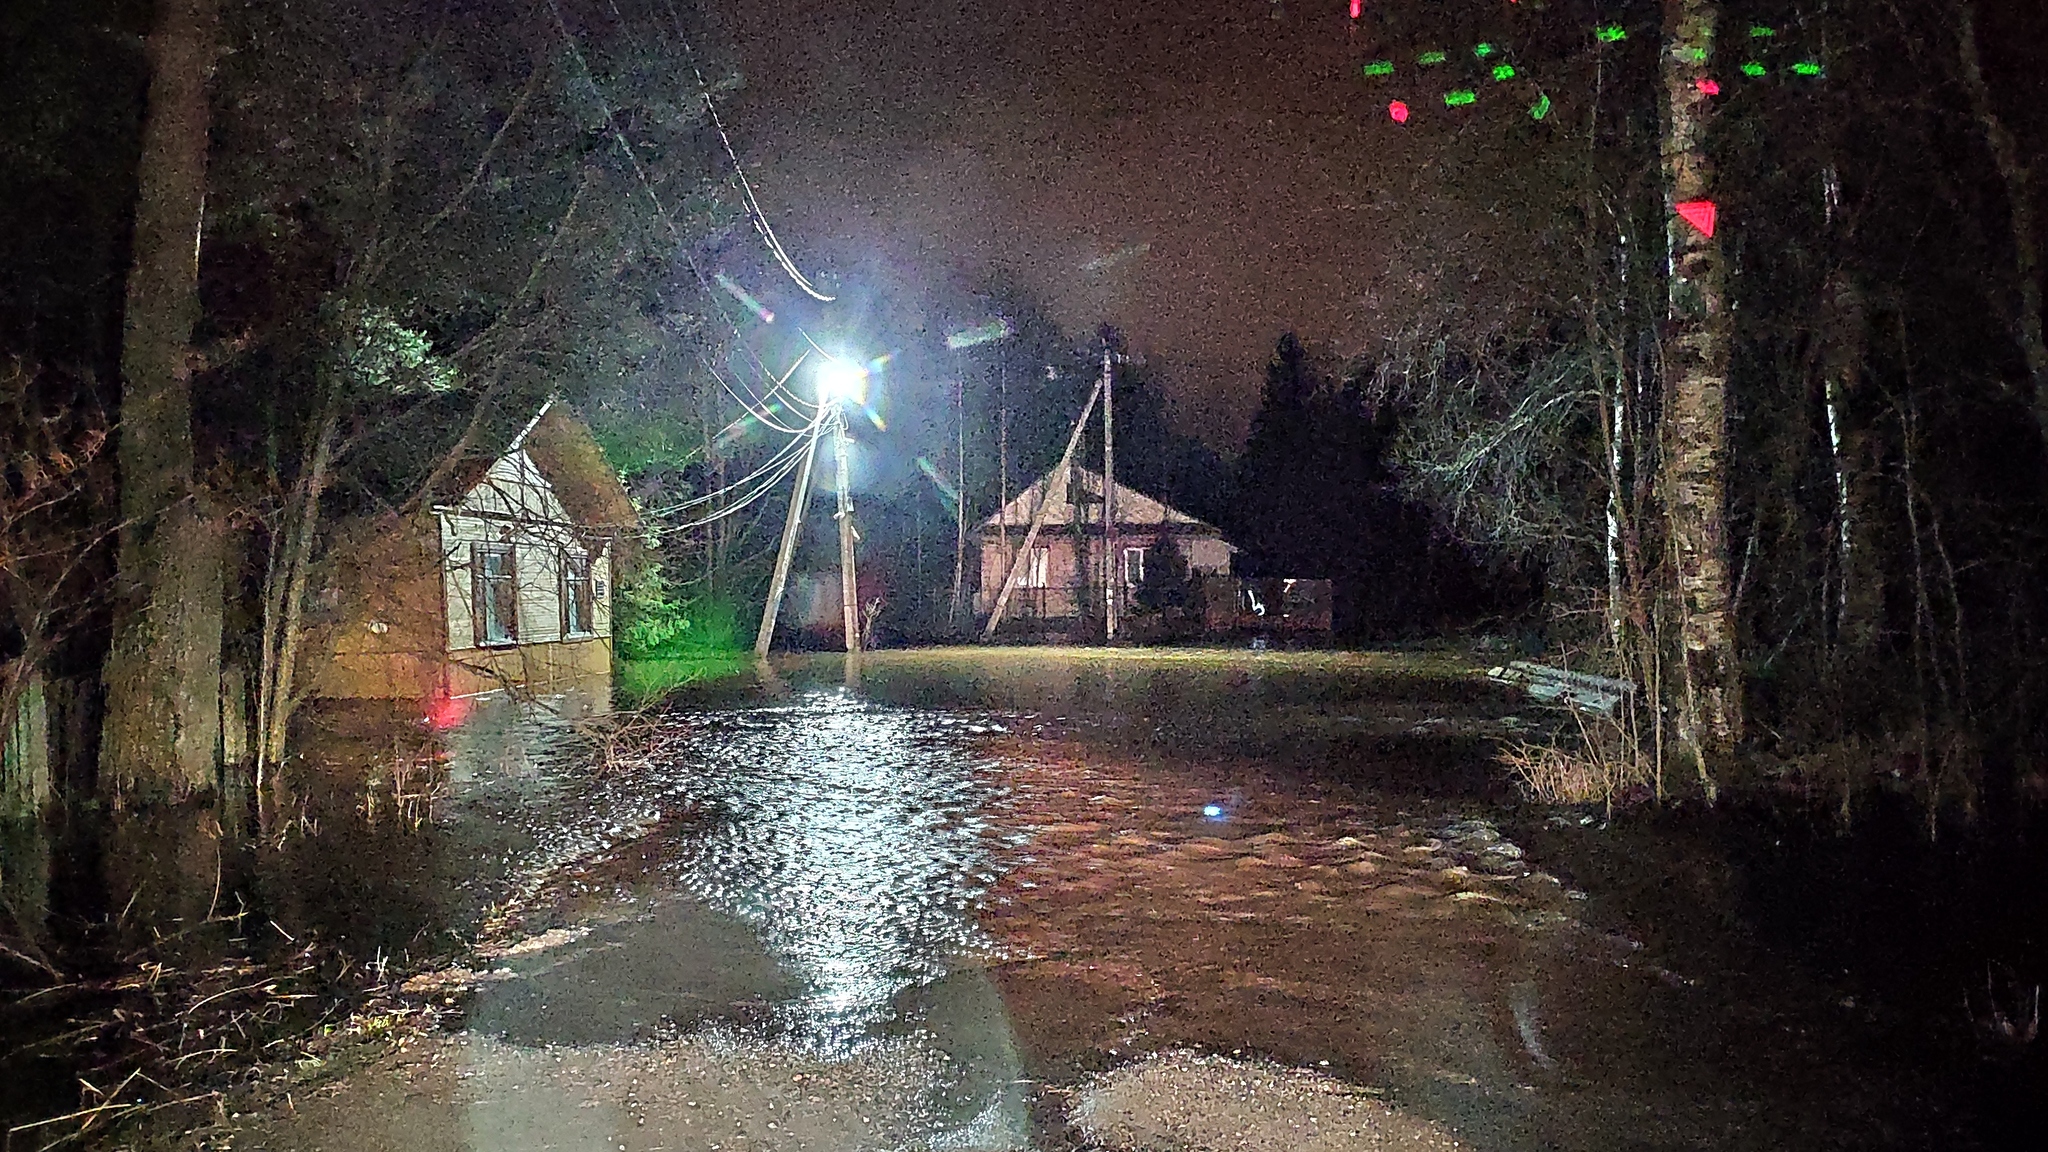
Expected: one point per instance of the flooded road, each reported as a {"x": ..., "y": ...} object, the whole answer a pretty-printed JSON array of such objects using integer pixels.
[{"x": 1041, "y": 900}]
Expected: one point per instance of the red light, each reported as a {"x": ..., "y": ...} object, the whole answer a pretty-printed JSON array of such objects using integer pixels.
[
  {"x": 1699, "y": 214},
  {"x": 1357, "y": 8},
  {"x": 445, "y": 711},
  {"x": 1398, "y": 111},
  {"x": 1710, "y": 87}
]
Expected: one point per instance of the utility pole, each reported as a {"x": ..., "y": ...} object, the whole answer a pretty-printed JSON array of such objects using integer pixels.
[
  {"x": 1003, "y": 450},
  {"x": 1112, "y": 573},
  {"x": 791, "y": 528},
  {"x": 849, "y": 587},
  {"x": 960, "y": 497}
]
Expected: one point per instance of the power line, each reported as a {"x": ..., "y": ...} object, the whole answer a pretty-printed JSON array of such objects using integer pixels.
[
  {"x": 747, "y": 198},
  {"x": 625, "y": 146},
  {"x": 771, "y": 462}
]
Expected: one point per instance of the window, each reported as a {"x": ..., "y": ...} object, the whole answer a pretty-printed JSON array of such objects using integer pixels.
[
  {"x": 578, "y": 592},
  {"x": 1134, "y": 567},
  {"x": 494, "y": 594},
  {"x": 1035, "y": 568}
]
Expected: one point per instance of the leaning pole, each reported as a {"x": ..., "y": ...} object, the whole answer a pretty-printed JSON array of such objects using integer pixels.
[
  {"x": 792, "y": 527},
  {"x": 1055, "y": 491}
]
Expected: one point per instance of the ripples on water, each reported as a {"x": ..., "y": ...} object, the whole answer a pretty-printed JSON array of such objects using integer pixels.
[{"x": 850, "y": 835}]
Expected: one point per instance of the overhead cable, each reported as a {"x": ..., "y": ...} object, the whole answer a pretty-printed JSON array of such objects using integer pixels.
[
  {"x": 747, "y": 198},
  {"x": 625, "y": 146}
]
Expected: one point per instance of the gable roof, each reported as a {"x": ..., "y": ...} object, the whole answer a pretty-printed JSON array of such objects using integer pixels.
[
  {"x": 560, "y": 448},
  {"x": 1134, "y": 509}
]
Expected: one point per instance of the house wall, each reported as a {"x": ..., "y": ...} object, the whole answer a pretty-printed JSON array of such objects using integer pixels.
[
  {"x": 382, "y": 635},
  {"x": 1069, "y": 568},
  {"x": 407, "y": 630},
  {"x": 514, "y": 505}
]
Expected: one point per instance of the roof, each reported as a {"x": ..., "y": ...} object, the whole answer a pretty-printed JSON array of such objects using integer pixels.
[
  {"x": 562, "y": 447},
  {"x": 1134, "y": 509},
  {"x": 568, "y": 456}
]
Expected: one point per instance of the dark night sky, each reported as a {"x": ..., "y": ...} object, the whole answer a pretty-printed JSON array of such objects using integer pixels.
[
  {"x": 940, "y": 140},
  {"x": 933, "y": 141}
]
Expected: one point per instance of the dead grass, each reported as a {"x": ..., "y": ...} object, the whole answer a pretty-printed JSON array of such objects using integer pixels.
[{"x": 1598, "y": 764}]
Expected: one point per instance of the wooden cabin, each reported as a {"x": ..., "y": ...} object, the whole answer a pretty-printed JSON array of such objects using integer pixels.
[
  {"x": 506, "y": 585},
  {"x": 1065, "y": 575}
]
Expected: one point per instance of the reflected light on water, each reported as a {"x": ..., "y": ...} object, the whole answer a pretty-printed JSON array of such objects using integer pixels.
[{"x": 850, "y": 836}]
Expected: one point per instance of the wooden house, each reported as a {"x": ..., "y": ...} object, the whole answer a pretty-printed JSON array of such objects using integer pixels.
[
  {"x": 505, "y": 585},
  {"x": 1065, "y": 575}
]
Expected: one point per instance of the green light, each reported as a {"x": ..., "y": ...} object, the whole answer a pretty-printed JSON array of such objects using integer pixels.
[
  {"x": 1503, "y": 71},
  {"x": 1540, "y": 108},
  {"x": 1759, "y": 32},
  {"x": 1696, "y": 55},
  {"x": 1431, "y": 58},
  {"x": 1460, "y": 97},
  {"x": 1380, "y": 68},
  {"x": 1609, "y": 33},
  {"x": 1752, "y": 69},
  {"x": 1483, "y": 50},
  {"x": 1807, "y": 68}
]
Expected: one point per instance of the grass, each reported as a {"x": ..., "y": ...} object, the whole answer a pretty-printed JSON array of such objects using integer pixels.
[{"x": 644, "y": 681}]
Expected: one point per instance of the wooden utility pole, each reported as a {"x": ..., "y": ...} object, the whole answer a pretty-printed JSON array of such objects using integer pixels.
[
  {"x": 1055, "y": 491},
  {"x": 959, "y": 496},
  {"x": 1112, "y": 574},
  {"x": 1003, "y": 451},
  {"x": 792, "y": 527},
  {"x": 849, "y": 587}
]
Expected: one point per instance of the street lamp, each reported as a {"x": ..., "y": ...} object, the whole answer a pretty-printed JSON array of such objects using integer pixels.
[{"x": 840, "y": 381}]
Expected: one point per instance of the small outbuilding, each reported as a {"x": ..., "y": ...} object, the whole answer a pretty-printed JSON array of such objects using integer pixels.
[{"x": 504, "y": 585}]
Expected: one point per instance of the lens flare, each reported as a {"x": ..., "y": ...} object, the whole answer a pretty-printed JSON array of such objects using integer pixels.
[
  {"x": 740, "y": 294},
  {"x": 1398, "y": 111}
]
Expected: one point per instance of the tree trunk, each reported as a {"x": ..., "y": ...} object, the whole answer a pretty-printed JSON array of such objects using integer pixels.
[
  {"x": 2018, "y": 178},
  {"x": 277, "y": 690},
  {"x": 1858, "y": 600},
  {"x": 162, "y": 729},
  {"x": 1696, "y": 354}
]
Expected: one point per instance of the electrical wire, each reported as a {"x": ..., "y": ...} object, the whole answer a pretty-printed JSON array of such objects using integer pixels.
[
  {"x": 770, "y": 463},
  {"x": 747, "y": 198},
  {"x": 765, "y": 414},
  {"x": 768, "y": 485},
  {"x": 667, "y": 218}
]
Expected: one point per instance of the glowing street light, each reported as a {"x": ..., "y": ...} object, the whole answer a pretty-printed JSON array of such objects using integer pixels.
[{"x": 841, "y": 382}]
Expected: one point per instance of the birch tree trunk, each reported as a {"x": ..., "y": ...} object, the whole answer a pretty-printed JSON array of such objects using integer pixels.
[
  {"x": 1696, "y": 354},
  {"x": 162, "y": 728}
]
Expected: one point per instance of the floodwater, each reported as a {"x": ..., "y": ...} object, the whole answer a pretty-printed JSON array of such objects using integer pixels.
[{"x": 1048, "y": 900}]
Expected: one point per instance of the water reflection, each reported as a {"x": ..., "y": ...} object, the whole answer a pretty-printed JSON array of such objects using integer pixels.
[{"x": 850, "y": 836}]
